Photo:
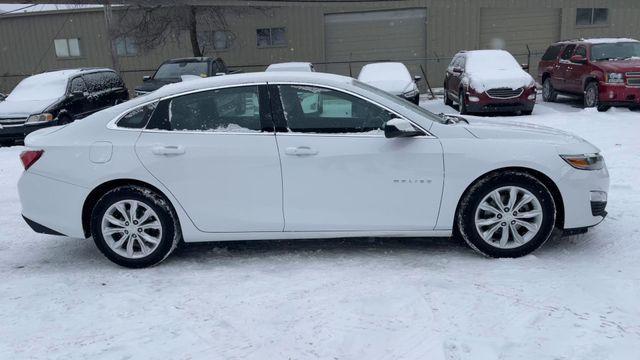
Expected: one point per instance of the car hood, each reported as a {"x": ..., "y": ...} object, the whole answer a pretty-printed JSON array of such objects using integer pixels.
[
  {"x": 511, "y": 78},
  {"x": 566, "y": 142},
  {"x": 619, "y": 65},
  {"x": 395, "y": 87},
  {"x": 153, "y": 84},
  {"x": 20, "y": 109}
]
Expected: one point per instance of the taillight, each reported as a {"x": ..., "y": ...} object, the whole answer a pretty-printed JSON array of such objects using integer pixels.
[{"x": 30, "y": 157}]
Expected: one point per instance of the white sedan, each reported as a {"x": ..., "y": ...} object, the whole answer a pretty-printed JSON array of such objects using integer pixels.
[{"x": 249, "y": 156}]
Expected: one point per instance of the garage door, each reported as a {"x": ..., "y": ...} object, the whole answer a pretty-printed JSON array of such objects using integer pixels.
[
  {"x": 513, "y": 29},
  {"x": 375, "y": 35}
]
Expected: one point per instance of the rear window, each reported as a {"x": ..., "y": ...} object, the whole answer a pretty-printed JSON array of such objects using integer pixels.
[{"x": 552, "y": 53}]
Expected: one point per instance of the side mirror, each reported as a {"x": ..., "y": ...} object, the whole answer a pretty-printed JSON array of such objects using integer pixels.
[
  {"x": 578, "y": 59},
  {"x": 457, "y": 70},
  {"x": 146, "y": 78},
  {"x": 525, "y": 66},
  {"x": 396, "y": 128},
  {"x": 417, "y": 78}
]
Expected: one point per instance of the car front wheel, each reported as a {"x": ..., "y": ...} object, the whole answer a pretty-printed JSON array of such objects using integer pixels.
[
  {"x": 549, "y": 94},
  {"x": 134, "y": 227},
  {"x": 508, "y": 214}
]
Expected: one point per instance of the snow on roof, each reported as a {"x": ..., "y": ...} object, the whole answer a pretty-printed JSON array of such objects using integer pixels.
[
  {"x": 384, "y": 71},
  {"x": 489, "y": 69},
  {"x": 484, "y": 60},
  {"x": 608, "y": 40},
  {"x": 290, "y": 66}
]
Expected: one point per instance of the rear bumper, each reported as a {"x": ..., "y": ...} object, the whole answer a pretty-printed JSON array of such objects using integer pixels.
[
  {"x": 619, "y": 95},
  {"x": 41, "y": 229},
  {"x": 53, "y": 206}
]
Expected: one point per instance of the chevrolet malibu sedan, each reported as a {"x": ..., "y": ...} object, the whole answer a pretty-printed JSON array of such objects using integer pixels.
[{"x": 247, "y": 156}]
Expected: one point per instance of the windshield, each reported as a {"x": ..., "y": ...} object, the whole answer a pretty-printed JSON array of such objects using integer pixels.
[
  {"x": 400, "y": 101},
  {"x": 39, "y": 87},
  {"x": 176, "y": 70},
  {"x": 615, "y": 51}
]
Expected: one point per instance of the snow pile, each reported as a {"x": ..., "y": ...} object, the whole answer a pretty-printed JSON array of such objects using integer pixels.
[
  {"x": 291, "y": 66},
  {"x": 608, "y": 40},
  {"x": 489, "y": 69},
  {"x": 576, "y": 298}
]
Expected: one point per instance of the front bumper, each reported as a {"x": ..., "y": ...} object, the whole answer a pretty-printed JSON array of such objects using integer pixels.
[
  {"x": 578, "y": 187},
  {"x": 619, "y": 95},
  {"x": 482, "y": 102},
  {"x": 19, "y": 132}
]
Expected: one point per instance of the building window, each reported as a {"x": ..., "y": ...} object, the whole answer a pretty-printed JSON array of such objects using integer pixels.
[
  {"x": 216, "y": 40},
  {"x": 592, "y": 16},
  {"x": 271, "y": 37},
  {"x": 126, "y": 46},
  {"x": 66, "y": 48}
]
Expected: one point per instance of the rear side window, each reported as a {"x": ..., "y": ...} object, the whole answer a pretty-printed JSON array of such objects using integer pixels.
[
  {"x": 568, "y": 52},
  {"x": 137, "y": 118},
  {"x": 552, "y": 53},
  {"x": 223, "y": 110}
]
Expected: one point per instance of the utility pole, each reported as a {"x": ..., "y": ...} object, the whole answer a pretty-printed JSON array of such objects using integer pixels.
[{"x": 108, "y": 17}]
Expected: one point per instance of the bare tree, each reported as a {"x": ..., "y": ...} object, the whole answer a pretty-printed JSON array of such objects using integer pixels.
[{"x": 153, "y": 25}]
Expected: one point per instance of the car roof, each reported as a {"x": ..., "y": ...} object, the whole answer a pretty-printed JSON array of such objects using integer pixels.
[
  {"x": 68, "y": 73},
  {"x": 596, "y": 41},
  {"x": 290, "y": 65},
  {"x": 251, "y": 78},
  {"x": 189, "y": 59}
]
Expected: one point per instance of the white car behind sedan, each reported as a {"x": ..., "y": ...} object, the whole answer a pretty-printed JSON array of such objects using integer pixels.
[
  {"x": 250, "y": 156},
  {"x": 392, "y": 77}
]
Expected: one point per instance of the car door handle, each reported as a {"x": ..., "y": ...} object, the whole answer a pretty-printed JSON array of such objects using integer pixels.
[
  {"x": 168, "y": 150},
  {"x": 300, "y": 151}
]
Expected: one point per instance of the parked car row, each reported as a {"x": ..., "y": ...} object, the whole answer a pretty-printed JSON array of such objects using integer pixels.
[{"x": 605, "y": 72}]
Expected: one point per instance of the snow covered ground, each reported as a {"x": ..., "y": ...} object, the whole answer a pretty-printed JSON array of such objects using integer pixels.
[{"x": 576, "y": 298}]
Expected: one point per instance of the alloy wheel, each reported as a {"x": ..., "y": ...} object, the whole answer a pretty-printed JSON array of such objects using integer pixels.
[
  {"x": 131, "y": 229},
  {"x": 508, "y": 217}
]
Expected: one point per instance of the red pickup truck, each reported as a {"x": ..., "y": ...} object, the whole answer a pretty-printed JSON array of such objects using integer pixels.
[{"x": 605, "y": 72}]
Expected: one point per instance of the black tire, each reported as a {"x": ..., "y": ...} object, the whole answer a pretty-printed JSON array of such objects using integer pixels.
[
  {"x": 526, "y": 112},
  {"x": 171, "y": 233},
  {"x": 603, "y": 108},
  {"x": 549, "y": 94},
  {"x": 462, "y": 102},
  {"x": 447, "y": 100},
  {"x": 472, "y": 199},
  {"x": 592, "y": 95}
]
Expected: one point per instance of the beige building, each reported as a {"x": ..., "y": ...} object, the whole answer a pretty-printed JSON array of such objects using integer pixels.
[{"x": 338, "y": 37}]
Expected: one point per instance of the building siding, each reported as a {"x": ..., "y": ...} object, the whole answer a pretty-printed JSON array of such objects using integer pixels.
[{"x": 26, "y": 41}]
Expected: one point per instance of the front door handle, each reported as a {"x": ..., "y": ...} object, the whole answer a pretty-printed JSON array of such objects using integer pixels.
[
  {"x": 168, "y": 150},
  {"x": 301, "y": 151}
]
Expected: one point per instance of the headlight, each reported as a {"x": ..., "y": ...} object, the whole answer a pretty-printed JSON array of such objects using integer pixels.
[
  {"x": 410, "y": 94},
  {"x": 585, "y": 161},
  {"x": 615, "y": 78},
  {"x": 39, "y": 118}
]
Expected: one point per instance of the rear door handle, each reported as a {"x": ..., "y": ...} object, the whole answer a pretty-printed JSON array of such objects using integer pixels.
[
  {"x": 168, "y": 150},
  {"x": 300, "y": 151}
]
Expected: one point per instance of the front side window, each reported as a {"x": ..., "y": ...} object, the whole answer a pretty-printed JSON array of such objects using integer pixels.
[
  {"x": 222, "y": 110},
  {"x": 271, "y": 37},
  {"x": 581, "y": 50},
  {"x": 66, "y": 48},
  {"x": 310, "y": 109},
  {"x": 592, "y": 16},
  {"x": 77, "y": 85}
]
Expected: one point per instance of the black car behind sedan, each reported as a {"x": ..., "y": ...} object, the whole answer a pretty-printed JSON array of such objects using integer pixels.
[{"x": 56, "y": 98}]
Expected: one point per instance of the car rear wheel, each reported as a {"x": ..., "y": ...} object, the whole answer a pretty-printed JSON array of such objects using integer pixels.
[
  {"x": 549, "y": 94},
  {"x": 508, "y": 214},
  {"x": 462, "y": 102},
  {"x": 134, "y": 227}
]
